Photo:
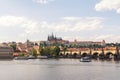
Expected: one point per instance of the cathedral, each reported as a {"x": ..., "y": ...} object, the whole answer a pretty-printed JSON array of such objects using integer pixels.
[{"x": 53, "y": 38}]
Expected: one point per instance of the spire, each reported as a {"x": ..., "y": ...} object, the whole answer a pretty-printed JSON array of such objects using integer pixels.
[
  {"x": 48, "y": 37},
  {"x": 55, "y": 37},
  {"x": 52, "y": 34}
]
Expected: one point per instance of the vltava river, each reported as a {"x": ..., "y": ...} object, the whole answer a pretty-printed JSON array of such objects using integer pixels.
[{"x": 59, "y": 69}]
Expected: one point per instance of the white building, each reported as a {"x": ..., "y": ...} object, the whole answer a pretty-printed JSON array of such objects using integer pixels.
[{"x": 87, "y": 43}]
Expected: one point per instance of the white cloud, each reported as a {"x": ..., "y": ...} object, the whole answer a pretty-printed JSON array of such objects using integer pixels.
[
  {"x": 108, "y": 38},
  {"x": 108, "y": 5},
  {"x": 66, "y": 24},
  {"x": 29, "y": 26},
  {"x": 71, "y": 18},
  {"x": 78, "y": 24},
  {"x": 43, "y": 1}
]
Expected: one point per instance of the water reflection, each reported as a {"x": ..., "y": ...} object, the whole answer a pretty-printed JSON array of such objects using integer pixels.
[{"x": 59, "y": 69}]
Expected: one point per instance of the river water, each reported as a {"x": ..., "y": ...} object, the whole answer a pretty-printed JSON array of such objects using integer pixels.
[{"x": 59, "y": 69}]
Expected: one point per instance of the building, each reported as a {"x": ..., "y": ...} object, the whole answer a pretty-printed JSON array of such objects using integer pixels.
[
  {"x": 29, "y": 44},
  {"x": 56, "y": 40},
  {"x": 6, "y": 52},
  {"x": 86, "y": 43},
  {"x": 21, "y": 47}
]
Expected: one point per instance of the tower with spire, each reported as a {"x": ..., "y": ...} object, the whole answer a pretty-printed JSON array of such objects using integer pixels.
[{"x": 53, "y": 38}]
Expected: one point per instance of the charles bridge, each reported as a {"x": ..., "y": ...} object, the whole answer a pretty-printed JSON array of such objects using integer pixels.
[{"x": 108, "y": 52}]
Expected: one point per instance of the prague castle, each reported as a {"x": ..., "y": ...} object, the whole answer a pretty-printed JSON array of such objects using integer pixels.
[
  {"x": 58, "y": 40},
  {"x": 87, "y": 43},
  {"x": 53, "y": 39}
]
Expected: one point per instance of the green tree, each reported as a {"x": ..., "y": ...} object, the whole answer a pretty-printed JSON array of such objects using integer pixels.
[
  {"x": 22, "y": 54},
  {"x": 34, "y": 52},
  {"x": 13, "y": 46},
  {"x": 56, "y": 51},
  {"x": 41, "y": 50},
  {"x": 64, "y": 49},
  {"x": 45, "y": 51},
  {"x": 49, "y": 51}
]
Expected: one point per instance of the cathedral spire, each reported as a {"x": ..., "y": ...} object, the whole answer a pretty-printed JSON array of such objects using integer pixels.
[{"x": 52, "y": 34}]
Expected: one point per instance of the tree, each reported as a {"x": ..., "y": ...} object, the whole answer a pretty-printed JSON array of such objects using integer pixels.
[
  {"x": 36, "y": 44},
  {"x": 64, "y": 49},
  {"x": 34, "y": 52},
  {"x": 48, "y": 51},
  {"x": 41, "y": 50},
  {"x": 45, "y": 51},
  {"x": 13, "y": 46},
  {"x": 56, "y": 51}
]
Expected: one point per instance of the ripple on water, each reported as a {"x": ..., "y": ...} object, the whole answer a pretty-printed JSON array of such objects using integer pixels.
[{"x": 58, "y": 69}]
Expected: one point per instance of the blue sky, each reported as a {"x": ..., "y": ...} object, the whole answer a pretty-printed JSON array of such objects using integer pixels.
[{"x": 89, "y": 20}]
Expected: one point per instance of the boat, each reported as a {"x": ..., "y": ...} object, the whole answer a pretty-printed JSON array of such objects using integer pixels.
[
  {"x": 31, "y": 57},
  {"x": 21, "y": 58},
  {"x": 42, "y": 57},
  {"x": 85, "y": 59}
]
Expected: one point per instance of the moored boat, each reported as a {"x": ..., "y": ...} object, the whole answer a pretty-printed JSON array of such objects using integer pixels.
[
  {"x": 21, "y": 58},
  {"x": 31, "y": 57},
  {"x": 85, "y": 59},
  {"x": 42, "y": 57}
]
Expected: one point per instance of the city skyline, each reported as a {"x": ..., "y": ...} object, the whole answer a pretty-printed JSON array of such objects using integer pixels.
[{"x": 92, "y": 20}]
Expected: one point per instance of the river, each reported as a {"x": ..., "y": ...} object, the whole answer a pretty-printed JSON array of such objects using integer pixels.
[{"x": 59, "y": 69}]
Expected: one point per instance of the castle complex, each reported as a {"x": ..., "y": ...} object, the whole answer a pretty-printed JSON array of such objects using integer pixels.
[
  {"x": 56, "y": 40},
  {"x": 87, "y": 43},
  {"x": 72, "y": 47},
  {"x": 53, "y": 39}
]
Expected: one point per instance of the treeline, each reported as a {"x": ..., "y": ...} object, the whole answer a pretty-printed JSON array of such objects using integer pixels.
[{"x": 51, "y": 51}]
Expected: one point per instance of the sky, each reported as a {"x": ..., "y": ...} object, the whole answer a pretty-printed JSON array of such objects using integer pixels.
[{"x": 83, "y": 20}]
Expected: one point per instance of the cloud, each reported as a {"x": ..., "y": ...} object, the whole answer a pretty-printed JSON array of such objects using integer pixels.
[
  {"x": 71, "y": 18},
  {"x": 25, "y": 27},
  {"x": 108, "y": 5},
  {"x": 108, "y": 38},
  {"x": 42, "y": 1},
  {"x": 65, "y": 24},
  {"x": 29, "y": 26},
  {"x": 78, "y": 24}
]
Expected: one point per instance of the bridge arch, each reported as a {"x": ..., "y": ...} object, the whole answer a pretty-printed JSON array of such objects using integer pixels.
[
  {"x": 109, "y": 55},
  {"x": 84, "y": 54},
  {"x": 75, "y": 54},
  {"x": 95, "y": 55},
  {"x": 67, "y": 53},
  {"x": 101, "y": 56}
]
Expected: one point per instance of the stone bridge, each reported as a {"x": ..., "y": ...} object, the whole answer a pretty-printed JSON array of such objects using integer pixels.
[{"x": 88, "y": 51}]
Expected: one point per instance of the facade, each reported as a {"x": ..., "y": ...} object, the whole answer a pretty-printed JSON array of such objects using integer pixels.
[
  {"x": 21, "y": 47},
  {"x": 86, "y": 43},
  {"x": 6, "y": 52},
  {"x": 29, "y": 44},
  {"x": 53, "y": 40}
]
